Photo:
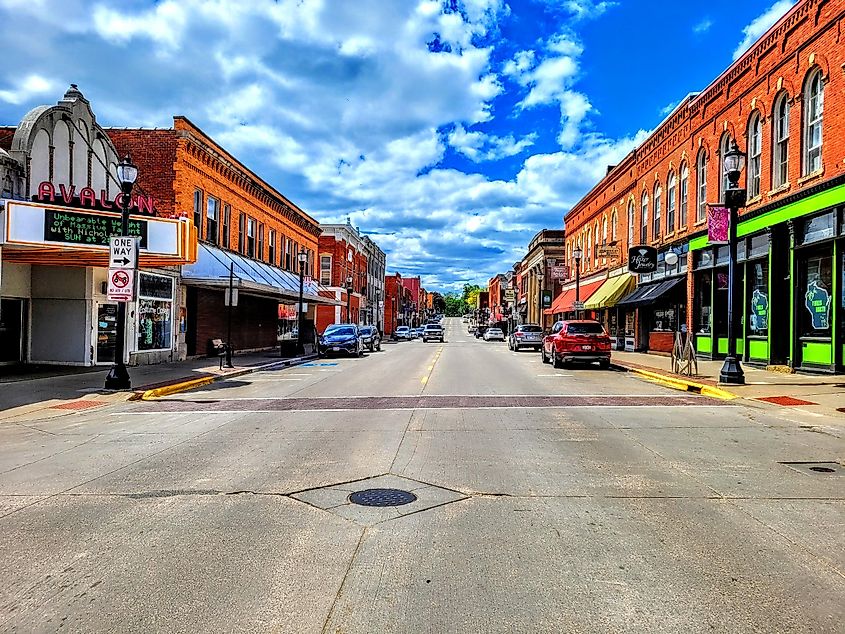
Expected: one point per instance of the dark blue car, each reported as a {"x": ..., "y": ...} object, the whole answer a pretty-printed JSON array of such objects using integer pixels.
[{"x": 339, "y": 338}]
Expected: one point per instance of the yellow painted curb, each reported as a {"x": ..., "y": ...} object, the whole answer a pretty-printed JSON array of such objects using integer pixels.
[
  {"x": 684, "y": 385},
  {"x": 166, "y": 390}
]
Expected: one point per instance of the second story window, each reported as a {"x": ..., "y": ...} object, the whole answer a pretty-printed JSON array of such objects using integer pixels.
[
  {"x": 671, "y": 189},
  {"x": 271, "y": 245},
  {"x": 260, "y": 252},
  {"x": 701, "y": 180},
  {"x": 212, "y": 212},
  {"x": 227, "y": 226},
  {"x": 289, "y": 256},
  {"x": 682, "y": 219},
  {"x": 755, "y": 154},
  {"x": 614, "y": 219},
  {"x": 241, "y": 233},
  {"x": 655, "y": 229},
  {"x": 723, "y": 181},
  {"x": 630, "y": 223},
  {"x": 780, "y": 167},
  {"x": 814, "y": 110},
  {"x": 644, "y": 219},
  {"x": 198, "y": 211},
  {"x": 250, "y": 237}
]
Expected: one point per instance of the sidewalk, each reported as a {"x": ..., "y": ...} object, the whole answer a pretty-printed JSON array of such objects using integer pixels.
[
  {"x": 824, "y": 394},
  {"x": 61, "y": 389}
]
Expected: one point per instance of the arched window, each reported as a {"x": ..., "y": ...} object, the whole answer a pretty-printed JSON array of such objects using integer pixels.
[
  {"x": 604, "y": 230},
  {"x": 655, "y": 228},
  {"x": 589, "y": 253},
  {"x": 780, "y": 167},
  {"x": 644, "y": 219},
  {"x": 614, "y": 220},
  {"x": 630, "y": 223},
  {"x": 755, "y": 154},
  {"x": 671, "y": 188},
  {"x": 813, "y": 111},
  {"x": 682, "y": 219},
  {"x": 596, "y": 243},
  {"x": 724, "y": 148},
  {"x": 701, "y": 181}
]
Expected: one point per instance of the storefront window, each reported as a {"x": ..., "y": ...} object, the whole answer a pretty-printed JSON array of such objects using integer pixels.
[
  {"x": 703, "y": 259},
  {"x": 816, "y": 281},
  {"x": 703, "y": 301},
  {"x": 758, "y": 309},
  {"x": 155, "y": 312},
  {"x": 664, "y": 320},
  {"x": 818, "y": 228}
]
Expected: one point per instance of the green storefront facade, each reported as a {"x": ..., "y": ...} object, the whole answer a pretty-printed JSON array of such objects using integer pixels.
[{"x": 790, "y": 284}]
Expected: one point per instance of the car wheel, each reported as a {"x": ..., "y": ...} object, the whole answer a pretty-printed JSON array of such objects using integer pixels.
[
  {"x": 604, "y": 364},
  {"x": 557, "y": 362},
  {"x": 515, "y": 348},
  {"x": 543, "y": 355}
]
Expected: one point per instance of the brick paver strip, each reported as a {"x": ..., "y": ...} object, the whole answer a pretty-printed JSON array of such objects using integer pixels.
[{"x": 427, "y": 402}]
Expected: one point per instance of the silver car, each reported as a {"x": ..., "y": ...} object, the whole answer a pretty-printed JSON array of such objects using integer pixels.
[{"x": 526, "y": 336}]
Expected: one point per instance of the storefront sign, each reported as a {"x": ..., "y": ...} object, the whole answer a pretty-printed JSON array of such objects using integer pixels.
[
  {"x": 81, "y": 228},
  {"x": 88, "y": 198},
  {"x": 607, "y": 252},
  {"x": 718, "y": 225},
  {"x": 560, "y": 272},
  {"x": 121, "y": 287},
  {"x": 817, "y": 301},
  {"x": 759, "y": 311},
  {"x": 642, "y": 259},
  {"x": 510, "y": 295},
  {"x": 287, "y": 311}
]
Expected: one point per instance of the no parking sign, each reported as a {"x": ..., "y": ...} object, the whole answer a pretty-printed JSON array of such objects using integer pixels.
[{"x": 121, "y": 287}]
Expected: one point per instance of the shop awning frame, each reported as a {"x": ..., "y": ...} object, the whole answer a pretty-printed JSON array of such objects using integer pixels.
[
  {"x": 611, "y": 292},
  {"x": 563, "y": 302},
  {"x": 649, "y": 293},
  {"x": 211, "y": 270}
]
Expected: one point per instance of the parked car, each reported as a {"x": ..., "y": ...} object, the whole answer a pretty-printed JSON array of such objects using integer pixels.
[
  {"x": 583, "y": 341},
  {"x": 526, "y": 336},
  {"x": 494, "y": 333},
  {"x": 433, "y": 332},
  {"x": 345, "y": 338},
  {"x": 479, "y": 331},
  {"x": 403, "y": 332},
  {"x": 416, "y": 333},
  {"x": 371, "y": 338}
]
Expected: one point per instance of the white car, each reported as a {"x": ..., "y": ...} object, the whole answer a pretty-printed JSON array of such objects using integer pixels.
[
  {"x": 403, "y": 332},
  {"x": 494, "y": 334}
]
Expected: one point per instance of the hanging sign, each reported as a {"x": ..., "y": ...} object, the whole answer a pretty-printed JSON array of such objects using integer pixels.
[
  {"x": 817, "y": 301},
  {"x": 121, "y": 286},
  {"x": 642, "y": 259},
  {"x": 547, "y": 299},
  {"x": 718, "y": 225},
  {"x": 560, "y": 272},
  {"x": 510, "y": 295}
]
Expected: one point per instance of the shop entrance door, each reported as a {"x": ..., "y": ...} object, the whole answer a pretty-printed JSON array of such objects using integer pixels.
[
  {"x": 106, "y": 334},
  {"x": 11, "y": 331}
]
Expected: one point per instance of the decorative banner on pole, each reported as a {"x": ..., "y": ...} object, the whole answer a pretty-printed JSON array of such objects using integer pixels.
[
  {"x": 718, "y": 225},
  {"x": 547, "y": 299}
]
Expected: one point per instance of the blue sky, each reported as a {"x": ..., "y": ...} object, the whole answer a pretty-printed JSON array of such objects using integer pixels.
[{"x": 449, "y": 130}]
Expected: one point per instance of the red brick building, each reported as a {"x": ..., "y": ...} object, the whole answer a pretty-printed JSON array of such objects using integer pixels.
[
  {"x": 343, "y": 265},
  {"x": 783, "y": 102},
  {"x": 245, "y": 226}
]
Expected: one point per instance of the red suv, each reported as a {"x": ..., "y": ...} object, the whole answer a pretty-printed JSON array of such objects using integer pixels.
[{"x": 582, "y": 340}]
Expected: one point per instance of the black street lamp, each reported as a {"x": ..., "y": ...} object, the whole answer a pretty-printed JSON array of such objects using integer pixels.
[
  {"x": 540, "y": 276},
  {"x": 300, "y": 321},
  {"x": 118, "y": 376},
  {"x": 734, "y": 161},
  {"x": 577, "y": 253},
  {"x": 348, "y": 299},
  {"x": 378, "y": 311}
]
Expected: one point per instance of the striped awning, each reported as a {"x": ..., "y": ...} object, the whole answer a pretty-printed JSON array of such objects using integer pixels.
[{"x": 611, "y": 292}]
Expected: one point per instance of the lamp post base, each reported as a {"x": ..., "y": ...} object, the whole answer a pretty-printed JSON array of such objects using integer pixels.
[
  {"x": 118, "y": 378},
  {"x": 732, "y": 372}
]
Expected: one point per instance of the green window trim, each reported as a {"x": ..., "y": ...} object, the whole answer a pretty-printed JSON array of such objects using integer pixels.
[{"x": 811, "y": 204}]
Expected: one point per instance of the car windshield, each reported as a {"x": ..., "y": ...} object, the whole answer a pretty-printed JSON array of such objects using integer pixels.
[
  {"x": 433, "y": 327},
  {"x": 585, "y": 329},
  {"x": 530, "y": 329},
  {"x": 340, "y": 330}
]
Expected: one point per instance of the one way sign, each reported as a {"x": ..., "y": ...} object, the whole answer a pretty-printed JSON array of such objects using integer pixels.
[{"x": 123, "y": 252}]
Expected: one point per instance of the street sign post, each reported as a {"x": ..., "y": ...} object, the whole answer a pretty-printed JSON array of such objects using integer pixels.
[
  {"x": 121, "y": 285},
  {"x": 578, "y": 305},
  {"x": 123, "y": 252}
]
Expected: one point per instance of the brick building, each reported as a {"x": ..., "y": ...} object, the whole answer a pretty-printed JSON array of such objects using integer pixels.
[
  {"x": 537, "y": 284},
  {"x": 783, "y": 102},
  {"x": 398, "y": 300},
  {"x": 343, "y": 266},
  {"x": 411, "y": 309},
  {"x": 245, "y": 227}
]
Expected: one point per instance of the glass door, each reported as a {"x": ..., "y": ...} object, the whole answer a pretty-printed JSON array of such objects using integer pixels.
[
  {"x": 106, "y": 337},
  {"x": 11, "y": 331}
]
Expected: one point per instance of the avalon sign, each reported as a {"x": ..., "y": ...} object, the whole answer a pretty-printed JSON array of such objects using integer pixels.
[{"x": 642, "y": 259}]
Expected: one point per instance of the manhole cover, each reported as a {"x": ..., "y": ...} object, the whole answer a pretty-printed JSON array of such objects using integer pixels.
[{"x": 382, "y": 497}]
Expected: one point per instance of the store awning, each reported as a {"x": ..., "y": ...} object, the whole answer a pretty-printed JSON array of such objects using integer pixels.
[
  {"x": 563, "y": 302},
  {"x": 611, "y": 291},
  {"x": 211, "y": 270},
  {"x": 649, "y": 293}
]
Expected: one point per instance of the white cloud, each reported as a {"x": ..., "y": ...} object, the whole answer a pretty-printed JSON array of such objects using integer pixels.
[
  {"x": 478, "y": 146},
  {"x": 761, "y": 24},
  {"x": 703, "y": 26},
  {"x": 29, "y": 87}
]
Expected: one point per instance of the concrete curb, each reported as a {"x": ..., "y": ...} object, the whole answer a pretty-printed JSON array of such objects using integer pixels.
[
  {"x": 190, "y": 384},
  {"x": 678, "y": 383}
]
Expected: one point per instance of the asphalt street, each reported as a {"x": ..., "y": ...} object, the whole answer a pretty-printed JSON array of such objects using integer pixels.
[{"x": 545, "y": 500}]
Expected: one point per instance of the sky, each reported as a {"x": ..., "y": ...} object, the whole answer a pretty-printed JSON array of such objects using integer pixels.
[{"x": 450, "y": 131}]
